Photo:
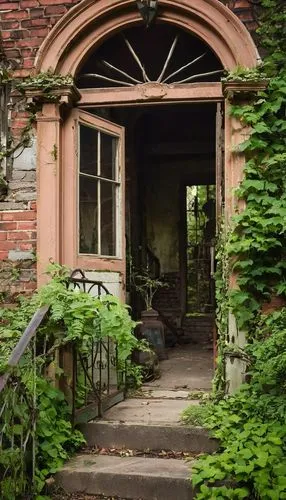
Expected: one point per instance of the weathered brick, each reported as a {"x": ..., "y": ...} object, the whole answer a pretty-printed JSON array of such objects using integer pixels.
[
  {"x": 25, "y": 246},
  {"x": 36, "y": 13},
  {"x": 12, "y": 53},
  {"x": 3, "y": 255},
  {"x": 30, "y": 42},
  {"x": 19, "y": 34},
  {"x": 28, "y": 23},
  {"x": 19, "y": 14},
  {"x": 3, "y": 235},
  {"x": 55, "y": 9},
  {"x": 5, "y": 35},
  {"x": 28, "y": 62},
  {"x": 25, "y": 215},
  {"x": 9, "y": 6},
  {"x": 7, "y": 245},
  {"x": 39, "y": 32},
  {"x": 28, "y": 4},
  {"x": 18, "y": 235},
  {"x": 7, "y": 25},
  {"x": 15, "y": 255},
  {"x": 8, "y": 226},
  {"x": 54, "y": 2},
  {"x": 28, "y": 225}
]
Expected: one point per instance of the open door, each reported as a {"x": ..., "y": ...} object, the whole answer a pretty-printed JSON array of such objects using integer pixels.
[
  {"x": 93, "y": 200},
  {"x": 219, "y": 196}
]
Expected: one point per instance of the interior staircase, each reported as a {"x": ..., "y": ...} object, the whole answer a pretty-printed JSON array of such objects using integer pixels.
[{"x": 139, "y": 450}]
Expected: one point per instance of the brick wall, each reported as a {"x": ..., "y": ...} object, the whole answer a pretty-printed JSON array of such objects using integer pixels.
[
  {"x": 24, "y": 26},
  {"x": 17, "y": 251}
]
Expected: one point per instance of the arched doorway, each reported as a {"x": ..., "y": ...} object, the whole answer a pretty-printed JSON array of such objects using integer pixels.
[{"x": 154, "y": 84}]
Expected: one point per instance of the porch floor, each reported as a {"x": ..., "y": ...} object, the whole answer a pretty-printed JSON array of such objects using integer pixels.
[{"x": 188, "y": 368}]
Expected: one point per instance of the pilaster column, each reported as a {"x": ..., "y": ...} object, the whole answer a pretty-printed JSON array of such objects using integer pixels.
[
  {"x": 236, "y": 133},
  {"x": 49, "y": 172}
]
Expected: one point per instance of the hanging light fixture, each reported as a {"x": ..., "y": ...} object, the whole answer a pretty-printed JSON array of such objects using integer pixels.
[{"x": 148, "y": 10}]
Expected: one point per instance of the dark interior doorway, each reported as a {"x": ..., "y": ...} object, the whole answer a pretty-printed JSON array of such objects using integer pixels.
[{"x": 168, "y": 148}]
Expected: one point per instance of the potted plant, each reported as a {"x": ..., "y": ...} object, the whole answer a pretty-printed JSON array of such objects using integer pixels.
[{"x": 151, "y": 327}]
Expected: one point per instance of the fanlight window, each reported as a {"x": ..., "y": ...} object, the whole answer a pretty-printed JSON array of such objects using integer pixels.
[{"x": 162, "y": 54}]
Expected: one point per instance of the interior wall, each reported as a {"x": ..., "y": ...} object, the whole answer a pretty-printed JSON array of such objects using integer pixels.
[{"x": 164, "y": 221}]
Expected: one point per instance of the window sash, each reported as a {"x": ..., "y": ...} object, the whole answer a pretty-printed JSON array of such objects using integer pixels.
[{"x": 114, "y": 206}]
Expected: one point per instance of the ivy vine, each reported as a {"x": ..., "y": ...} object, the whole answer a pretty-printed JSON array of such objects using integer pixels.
[{"x": 251, "y": 424}]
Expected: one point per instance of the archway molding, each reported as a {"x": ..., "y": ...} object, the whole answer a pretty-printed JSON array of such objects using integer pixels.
[{"x": 90, "y": 22}]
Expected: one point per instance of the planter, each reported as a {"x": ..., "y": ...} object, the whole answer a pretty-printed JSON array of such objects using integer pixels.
[{"x": 152, "y": 329}]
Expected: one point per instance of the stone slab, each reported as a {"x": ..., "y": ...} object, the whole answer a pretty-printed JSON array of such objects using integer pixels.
[
  {"x": 128, "y": 477},
  {"x": 148, "y": 411},
  {"x": 189, "y": 368},
  {"x": 164, "y": 394},
  {"x": 133, "y": 436}
]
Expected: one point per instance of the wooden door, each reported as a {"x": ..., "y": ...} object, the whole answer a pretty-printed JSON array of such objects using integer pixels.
[{"x": 93, "y": 224}]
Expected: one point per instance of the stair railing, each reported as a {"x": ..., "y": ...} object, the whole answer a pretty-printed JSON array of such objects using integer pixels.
[
  {"x": 97, "y": 381},
  {"x": 18, "y": 414},
  {"x": 91, "y": 384}
]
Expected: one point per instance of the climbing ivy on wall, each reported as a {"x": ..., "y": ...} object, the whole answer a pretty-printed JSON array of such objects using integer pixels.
[{"x": 251, "y": 424}]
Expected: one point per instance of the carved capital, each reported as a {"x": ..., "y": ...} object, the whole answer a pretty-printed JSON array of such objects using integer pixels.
[
  {"x": 242, "y": 91},
  {"x": 66, "y": 94}
]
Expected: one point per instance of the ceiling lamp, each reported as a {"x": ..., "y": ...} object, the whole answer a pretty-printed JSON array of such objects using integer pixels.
[{"x": 148, "y": 10}]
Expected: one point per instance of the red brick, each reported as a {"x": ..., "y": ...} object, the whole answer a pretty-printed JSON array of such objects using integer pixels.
[
  {"x": 29, "y": 225},
  {"x": 26, "y": 246},
  {"x": 28, "y": 4},
  {"x": 34, "y": 42},
  {"x": 28, "y": 62},
  {"x": 19, "y": 123},
  {"x": 12, "y": 53},
  {"x": 6, "y": 35},
  {"x": 18, "y": 235},
  {"x": 25, "y": 215},
  {"x": 9, "y": 25},
  {"x": 54, "y": 2},
  {"x": 20, "y": 114},
  {"x": 28, "y": 23},
  {"x": 7, "y": 245},
  {"x": 19, "y": 34},
  {"x": 19, "y": 14},
  {"x": 55, "y": 9},
  {"x": 8, "y": 226},
  {"x": 7, "y": 216},
  {"x": 8, "y": 44},
  {"x": 39, "y": 32},
  {"x": 9, "y": 6},
  {"x": 3, "y": 235},
  {"x": 36, "y": 13},
  {"x": 3, "y": 255}
]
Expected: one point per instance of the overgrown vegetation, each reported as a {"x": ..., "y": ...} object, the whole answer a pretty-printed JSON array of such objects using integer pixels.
[
  {"x": 31, "y": 406},
  {"x": 251, "y": 425}
]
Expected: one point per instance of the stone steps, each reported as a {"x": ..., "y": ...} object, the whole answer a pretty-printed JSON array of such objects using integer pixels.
[
  {"x": 127, "y": 477},
  {"x": 114, "y": 464},
  {"x": 142, "y": 436}
]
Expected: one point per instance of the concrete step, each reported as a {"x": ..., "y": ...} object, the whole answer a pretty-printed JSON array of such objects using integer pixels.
[
  {"x": 128, "y": 477},
  {"x": 153, "y": 424},
  {"x": 132, "y": 436}
]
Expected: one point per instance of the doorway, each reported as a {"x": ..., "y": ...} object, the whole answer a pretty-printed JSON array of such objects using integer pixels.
[{"x": 170, "y": 152}]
